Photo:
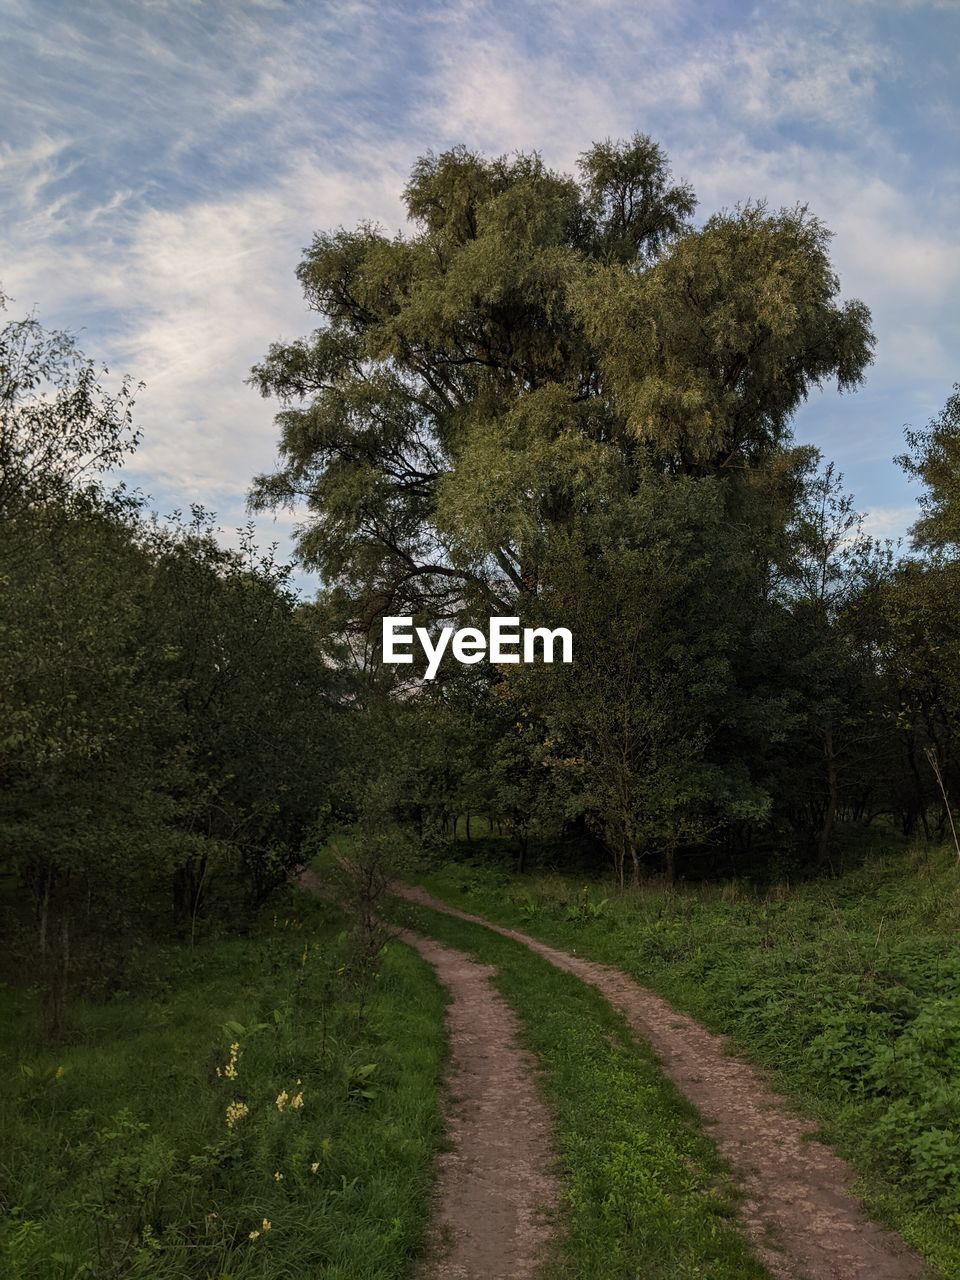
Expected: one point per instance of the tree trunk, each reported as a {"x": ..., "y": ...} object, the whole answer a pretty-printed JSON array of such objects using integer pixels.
[
  {"x": 634, "y": 861},
  {"x": 829, "y": 816},
  {"x": 918, "y": 785},
  {"x": 55, "y": 959},
  {"x": 45, "y": 911},
  {"x": 522, "y": 854}
]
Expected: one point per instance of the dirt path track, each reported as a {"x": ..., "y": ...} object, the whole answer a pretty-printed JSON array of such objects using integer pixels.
[
  {"x": 798, "y": 1211},
  {"x": 493, "y": 1185}
]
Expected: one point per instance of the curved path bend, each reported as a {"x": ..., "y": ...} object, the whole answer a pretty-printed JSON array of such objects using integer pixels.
[{"x": 798, "y": 1210}]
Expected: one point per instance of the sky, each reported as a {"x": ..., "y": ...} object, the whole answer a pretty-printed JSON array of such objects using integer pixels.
[{"x": 164, "y": 163}]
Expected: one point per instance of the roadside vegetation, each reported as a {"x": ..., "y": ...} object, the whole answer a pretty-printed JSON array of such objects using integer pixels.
[
  {"x": 231, "y": 1115},
  {"x": 846, "y": 989}
]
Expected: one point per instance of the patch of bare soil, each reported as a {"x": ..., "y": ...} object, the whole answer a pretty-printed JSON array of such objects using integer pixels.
[
  {"x": 494, "y": 1187},
  {"x": 798, "y": 1211}
]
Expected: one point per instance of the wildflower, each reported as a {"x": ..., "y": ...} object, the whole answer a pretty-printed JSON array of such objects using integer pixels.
[
  {"x": 278, "y": 1176},
  {"x": 58, "y": 1074},
  {"x": 315, "y": 1166},
  {"x": 266, "y": 1224},
  {"x": 236, "y": 1111},
  {"x": 296, "y": 1102},
  {"x": 282, "y": 1099},
  {"x": 230, "y": 1070},
  {"x": 254, "y": 1235}
]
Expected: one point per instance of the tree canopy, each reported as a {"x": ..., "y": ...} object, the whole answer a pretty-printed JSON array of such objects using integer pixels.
[
  {"x": 560, "y": 397},
  {"x": 525, "y": 354}
]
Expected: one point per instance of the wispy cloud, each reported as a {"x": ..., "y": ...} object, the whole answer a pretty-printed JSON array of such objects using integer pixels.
[{"x": 163, "y": 165}]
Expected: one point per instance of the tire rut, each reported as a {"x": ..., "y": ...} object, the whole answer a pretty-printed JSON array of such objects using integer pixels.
[
  {"x": 798, "y": 1211},
  {"x": 494, "y": 1186}
]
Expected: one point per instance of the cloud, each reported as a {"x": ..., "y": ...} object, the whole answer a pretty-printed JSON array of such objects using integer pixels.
[
  {"x": 221, "y": 288},
  {"x": 166, "y": 163},
  {"x": 890, "y": 522}
]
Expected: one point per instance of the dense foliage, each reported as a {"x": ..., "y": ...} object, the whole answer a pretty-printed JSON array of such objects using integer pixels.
[
  {"x": 167, "y": 730},
  {"x": 559, "y": 398}
]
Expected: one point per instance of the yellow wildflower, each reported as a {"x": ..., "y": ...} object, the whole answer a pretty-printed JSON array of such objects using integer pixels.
[
  {"x": 278, "y": 1176},
  {"x": 282, "y": 1099},
  {"x": 266, "y": 1224},
  {"x": 236, "y": 1111},
  {"x": 315, "y": 1166},
  {"x": 58, "y": 1074},
  {"x": 254, "y": 1235},
  {"x": 297, "y": 1101},
  {"x": 230, "y": 1070}
]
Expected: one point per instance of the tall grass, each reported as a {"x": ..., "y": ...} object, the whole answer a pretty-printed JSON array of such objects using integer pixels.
[{"x": 119, "y": 1157}]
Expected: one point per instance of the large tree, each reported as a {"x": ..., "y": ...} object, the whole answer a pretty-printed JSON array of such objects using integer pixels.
[
  {"x": 557, "y": 397},
  {"x": 521, "y": 356}
]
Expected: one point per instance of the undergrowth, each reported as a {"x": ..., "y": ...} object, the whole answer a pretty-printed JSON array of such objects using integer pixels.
[{"x": 234, "y": 1119}]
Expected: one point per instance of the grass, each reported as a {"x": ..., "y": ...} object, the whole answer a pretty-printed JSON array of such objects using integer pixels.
[
  {"x": 846, "y": 989},
  {"x": 644, "y": 1191},
  {"x": 117, "y": 1159}
]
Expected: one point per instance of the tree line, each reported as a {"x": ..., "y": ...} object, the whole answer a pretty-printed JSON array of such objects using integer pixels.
[{"x": 166, "y": 726}]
